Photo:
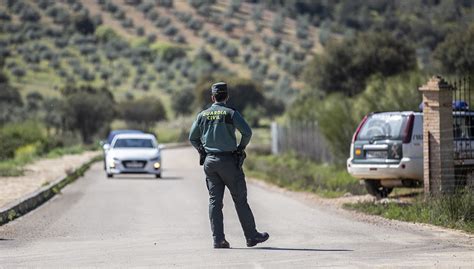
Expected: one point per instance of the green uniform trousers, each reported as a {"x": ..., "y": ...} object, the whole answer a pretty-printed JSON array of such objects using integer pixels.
[{"x": 221, "y": 171}]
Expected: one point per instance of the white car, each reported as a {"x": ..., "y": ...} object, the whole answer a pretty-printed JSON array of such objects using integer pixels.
[{"x": 133, "y": 154}]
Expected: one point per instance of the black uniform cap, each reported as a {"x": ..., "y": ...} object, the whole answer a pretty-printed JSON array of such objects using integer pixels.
[{"x": 219, "y": 87}]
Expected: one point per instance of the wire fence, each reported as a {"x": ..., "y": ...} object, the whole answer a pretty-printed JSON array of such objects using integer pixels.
[{"x": 302, "y": 138}]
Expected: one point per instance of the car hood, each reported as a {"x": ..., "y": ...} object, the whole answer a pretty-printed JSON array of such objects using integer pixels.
[{"x": 133, "y": 153}]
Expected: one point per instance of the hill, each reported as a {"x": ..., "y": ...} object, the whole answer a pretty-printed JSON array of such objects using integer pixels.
[{"x": 151, "y": 48}]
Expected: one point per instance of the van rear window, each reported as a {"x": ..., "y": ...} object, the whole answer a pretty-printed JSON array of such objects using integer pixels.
[{"x": 383, "y": 126}]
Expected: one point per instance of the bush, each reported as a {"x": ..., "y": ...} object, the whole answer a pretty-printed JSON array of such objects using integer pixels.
[
  {"x": 86, "y": 103},
  {"x": 153, "y": 15},
  {"x": 106, "y": 34},
  {"x": 169, "y": 53},
  {"x": 145, "y": 7},
  {"x": 194, "y": 24},
  {"x": 18, "y": 72},
  {"x": 151, "y": 38},
  {"x": 4, "y": 16},
  {"x": 278, "y": 23},
  {"x": 29, "y": 14},
  {"x": 16, "y": 135},
  {"x": 140, "y": 31},
  {"x": 179, "y": 39},
  {"x": 245, "y": 40},
  {"x": 165, "y": 3},
  {"x": 182, "y": 101},
  {"x": 143, "y": 113},
  {"x": 454, "y": 55},
  {"x": 338, "y": 115},
  {"x": 162, "y": 22},
  {"x": 170, "y": 30},
  {"x": 228, "y": 27},
  {"x": 346, "y": 66},
  {"x": 84, "y": 24},
  {"x": 242, "y": 92},
  {"x": 127, "y": 23}
]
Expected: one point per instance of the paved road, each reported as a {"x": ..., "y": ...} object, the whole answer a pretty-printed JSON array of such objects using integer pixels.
[{"x": 132, "y": 221}]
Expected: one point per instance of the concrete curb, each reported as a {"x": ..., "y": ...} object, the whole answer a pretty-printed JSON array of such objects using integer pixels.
[{"x": 33, "y": 200}]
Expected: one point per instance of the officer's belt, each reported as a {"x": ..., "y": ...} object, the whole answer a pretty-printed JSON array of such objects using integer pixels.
[{"x": 223, "y": 153}]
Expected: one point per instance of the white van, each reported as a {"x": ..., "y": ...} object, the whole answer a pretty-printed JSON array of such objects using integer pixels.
[{"x": 387, "y": 149}]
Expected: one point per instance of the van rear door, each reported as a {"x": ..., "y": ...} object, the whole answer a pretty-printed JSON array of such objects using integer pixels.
[{"x": 381, "y": 137}]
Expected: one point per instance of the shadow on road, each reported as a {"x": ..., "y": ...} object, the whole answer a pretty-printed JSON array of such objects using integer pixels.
[
  {"x": 5, "y": 239},
  {"x": 295, "y": 249}
]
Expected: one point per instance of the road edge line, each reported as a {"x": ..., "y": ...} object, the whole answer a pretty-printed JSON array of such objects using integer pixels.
[{"x": 33, "y": 200}]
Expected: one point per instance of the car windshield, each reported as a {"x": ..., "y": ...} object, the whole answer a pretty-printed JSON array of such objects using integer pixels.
[
  {"x": 133, "y": 143},
  {"x": 383, "y": 126}
]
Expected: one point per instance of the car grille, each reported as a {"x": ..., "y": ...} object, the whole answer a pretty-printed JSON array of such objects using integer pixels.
[{"x": 134, "y": 164}]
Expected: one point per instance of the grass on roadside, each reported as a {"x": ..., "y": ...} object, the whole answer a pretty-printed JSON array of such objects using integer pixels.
[
  {"x": 303, "y": 175},
  {"x": 14, "y": 167},
  {"x": 452, "y": 211}
]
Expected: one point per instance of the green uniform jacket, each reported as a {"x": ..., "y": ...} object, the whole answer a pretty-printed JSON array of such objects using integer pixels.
[{"x": 214, "y": 128}]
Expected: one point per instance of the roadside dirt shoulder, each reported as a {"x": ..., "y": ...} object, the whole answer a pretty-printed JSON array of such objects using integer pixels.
[
  {"x": 335, "y": 205},
  {"x": 40, "y": 173}
]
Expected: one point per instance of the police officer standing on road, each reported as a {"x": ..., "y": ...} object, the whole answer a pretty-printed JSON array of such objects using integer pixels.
[{"x": 213, "y": 135}]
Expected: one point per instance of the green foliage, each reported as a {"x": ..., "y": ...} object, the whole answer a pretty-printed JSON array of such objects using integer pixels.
[
  {"x": 455, "y": 54},
  {"x": 29, "y": 14},
  {"x": 84, "y": 24},
  {"x": 88, "y": 110},
  {"x": 278, "y": 23},
  {"x": 182, "y": 101},
  {"x": 242, "y": 92},
  {"x": 27, "y": 152},
  {"x": 16, "y": 135},
  {"x": 347, "y": 65},
  {"x": 105, "y": 34},
  {"x": 338, "y": 116},
  {"x": 453, "y": 211},
  {"x": 302, "y": 175},
  {"x": 168, "y": 53},
  {"x": 10, "y": 101},
  {"x": 10, "y": 168},
  {"x": 142, "y": 113}
]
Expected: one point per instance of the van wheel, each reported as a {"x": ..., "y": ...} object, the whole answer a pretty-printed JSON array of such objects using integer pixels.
[
  {"x": 158, "y": 175},
  {"x": 376, "y": 189},
  {"x": 110, "y": 175}
]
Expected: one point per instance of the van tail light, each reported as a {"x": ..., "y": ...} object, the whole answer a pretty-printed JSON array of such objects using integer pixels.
[
  {"x": 408, "y": 129},
  {"x": 354, "y": 138}
]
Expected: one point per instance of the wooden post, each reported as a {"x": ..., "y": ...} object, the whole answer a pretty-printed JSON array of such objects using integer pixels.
[{"x": 438, "y": 163}]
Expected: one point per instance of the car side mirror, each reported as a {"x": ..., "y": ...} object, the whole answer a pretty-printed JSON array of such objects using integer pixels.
[
  {"x": 106, "y": 147},
  {"x": 160, "y": 146}
]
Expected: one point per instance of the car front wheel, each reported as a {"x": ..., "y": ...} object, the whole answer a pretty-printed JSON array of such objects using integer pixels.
[
  {"x": 158, "y": 175},
  {"x": 376, "y": 189}
]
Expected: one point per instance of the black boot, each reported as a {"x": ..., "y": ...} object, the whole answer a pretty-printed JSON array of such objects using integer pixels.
[
  {"x": 259, "y": 238},
  {"x": 222, "y": 244}
]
